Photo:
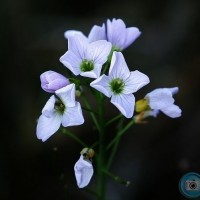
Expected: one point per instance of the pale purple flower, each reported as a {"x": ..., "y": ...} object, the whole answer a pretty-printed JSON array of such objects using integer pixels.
[
  {"x": 59, "y": 109},
  {"x": 83, "y": 172},
  {"x": 85, "y": 58},
  {"x": 120, "y": 84},
  {"x": 52, "y": 81},
  {"x": 162, "y": 100},
  {"x": 114, "y": 31}
]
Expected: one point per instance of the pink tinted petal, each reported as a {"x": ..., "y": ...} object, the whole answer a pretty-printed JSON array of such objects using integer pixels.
[
  {"x": 47, "y": 126},
  {"x": 125, "y": 103},
  {"x": 72, "y": 62},
  {"x": 102, "y": 85},
  {"x": 67, "y": 95},
  {"x": 73, "y": 116},
  {"x": 172, "y": 111},
  {"x": 118, "y": 67},
  {"x": 97, "y": 33},
  {"x": 83, "y": 172},
  {"x": 132, "y": 34},
  {"x": 135, "y": 81}
]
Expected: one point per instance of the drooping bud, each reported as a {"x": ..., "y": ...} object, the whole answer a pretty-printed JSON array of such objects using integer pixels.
[
  {"x": 52, "y": 81},
  {"x": 141, "y": 105}
]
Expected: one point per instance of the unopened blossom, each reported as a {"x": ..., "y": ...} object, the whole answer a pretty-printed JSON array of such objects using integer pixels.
[
  {"x": 114, "y": 31},
  {"x": 61, "y": 109},
  {"x": 83, "y": 172},
  {"x": 159, "y": 100},
  {"x": 52, "y": 81},
  {"x": 85, "y": 58},
  {"x": 120, "y": 84}
]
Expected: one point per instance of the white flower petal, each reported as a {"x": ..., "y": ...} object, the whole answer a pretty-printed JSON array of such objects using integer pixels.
[
  {"x": 47, "y": 126},
  {"x": 160, "y": 98},
  {"x": 102, "y": 85},
  {"x": 73, "y": 116},
  {"x": 77, "y": 44},
  {"x": 173, "y": 90},
  {"x": 125, "y": 103},
  {"x": 98, "y": 51},
  {"x": 83, "y": 172},
  {"x": 132, "y": 34},
  {"x": 135, "y": 81},
  {"x": 69, "y": 33},
  {"x": 172, "y": 111},
  {"x": 118, "y": 67},
  {"x": 48, "y": 109},
  {"x": 67, "y": 95},
  {"x": 97, "y": 33},
  {"x": 72, "y": 62}
]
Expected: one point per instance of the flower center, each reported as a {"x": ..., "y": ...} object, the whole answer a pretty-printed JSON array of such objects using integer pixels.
[
  {"x": 59, "y": 106},
  {"x": 117, "y": 85},
  {"x": 87, "y": 65}
]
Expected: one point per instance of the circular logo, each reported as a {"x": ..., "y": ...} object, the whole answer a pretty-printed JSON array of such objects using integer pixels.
[{"x": 189, "y": 185}]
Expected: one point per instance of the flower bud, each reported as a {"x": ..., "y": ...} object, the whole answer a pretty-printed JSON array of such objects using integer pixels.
[
  {"x": 141, "y": 105},
  {"x": 52, "y": 81}
]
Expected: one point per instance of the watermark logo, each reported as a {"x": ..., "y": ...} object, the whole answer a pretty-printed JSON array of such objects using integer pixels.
[{"x": 189, "y": 185}]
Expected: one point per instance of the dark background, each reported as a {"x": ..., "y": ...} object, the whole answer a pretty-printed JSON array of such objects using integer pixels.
[{"x": 153, "y": 156}]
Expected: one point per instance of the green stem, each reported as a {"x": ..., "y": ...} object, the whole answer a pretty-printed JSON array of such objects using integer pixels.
[
  {"x": 73, "y": 136},
  {"x": 120, "y": 133},
  {"x": 113, "y": 119},
  {"x": 101, "y": 153}
]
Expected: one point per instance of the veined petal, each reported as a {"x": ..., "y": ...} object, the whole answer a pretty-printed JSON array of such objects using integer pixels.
[
  {"x": 160, "y": 98},
  {"x": 67, "y": 95},
  {"x": 77, "y": 44},
  {"x": 97, "y": 33},
  {"x": 132, "y": 34},
  {"x": 69, "y": 33},
  {"x": 73, "y": 116},
  {"x": 118, "y": 67},
  {"x": 47, "y": 126},
  {"x": 135, "y": 81},
  {"x": 83, "y": 172},
  {"x": 95, "y": 73},
  {"x": 98, "y": 51},
  {"x": 116, "y": 32},
  {"x": 48, "y": 109},
  {"x": 102, "y": 85},
  {"x": 172, "y": 111},
  {"x": 125, "y": 103},
  {"x": 72, "y": 62}
]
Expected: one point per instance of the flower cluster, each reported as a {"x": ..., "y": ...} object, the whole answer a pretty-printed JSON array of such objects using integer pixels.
[{"x": 99, "y": 57}]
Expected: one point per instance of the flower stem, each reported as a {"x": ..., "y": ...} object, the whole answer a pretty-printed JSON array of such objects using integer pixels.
[
  {"x": 120, "y": 133},
  {"x": 73, "y": 136},
  {"x": 113, "y": 119}
]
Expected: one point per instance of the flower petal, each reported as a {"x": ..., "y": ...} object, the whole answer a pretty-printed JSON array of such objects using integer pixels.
[
  {"x": 98, "y": 51},
  {"x": 118, "y": 67},
  {"x": 173, "y": 90},
  {"x": 73, "y": 116},
  {"x": 132, "y": 34},
  {"x": 48, "y": 109},
  {"x": 160, "y": 98},
  {"x": 135, "y": 81},
  {"x": 69, "y": 33},
  {"x": 102, "y": 85},
  {"x": 72, "y": 62},
  {"x": 83, "y": 172},
  {"x": 97, "y": 33},
  {"x": 47, "y": 126},
  {"x": 125, "y": 103},
  {"x": 67, "y": 95},
  {"x": 116, "y": 32},
  {"x": 172, "y": 111}
]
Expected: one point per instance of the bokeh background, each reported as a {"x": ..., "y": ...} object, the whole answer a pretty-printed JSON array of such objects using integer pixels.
[{"x": 152, "y": 156}]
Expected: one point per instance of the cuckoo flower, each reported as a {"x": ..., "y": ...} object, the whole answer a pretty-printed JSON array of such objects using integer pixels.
[
  {"x": 59, "y": 109},
  {"x": 52, "y": 81},
  {"x": 160, "y": 100},
  {"x": 120, "y": 84},
  {"x": 83, "y": 171},
  {"x": 85, "y": 58},
  {"x": 114, "y": 31}
]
